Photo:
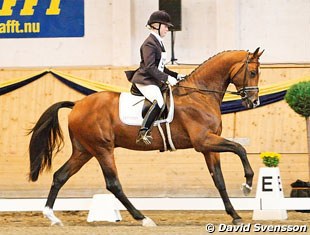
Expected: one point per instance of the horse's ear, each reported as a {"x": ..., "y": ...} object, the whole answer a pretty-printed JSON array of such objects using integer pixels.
[{"x": 257, "y": 54}]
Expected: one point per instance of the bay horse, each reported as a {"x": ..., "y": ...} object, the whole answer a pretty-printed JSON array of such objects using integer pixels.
[{"x": 95, "y": 129}]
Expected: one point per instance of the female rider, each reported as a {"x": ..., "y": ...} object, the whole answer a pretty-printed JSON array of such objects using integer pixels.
[{"x": 152, "y": 73}]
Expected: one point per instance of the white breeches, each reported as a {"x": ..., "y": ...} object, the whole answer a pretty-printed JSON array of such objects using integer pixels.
[{"x": 151, "y": 92}]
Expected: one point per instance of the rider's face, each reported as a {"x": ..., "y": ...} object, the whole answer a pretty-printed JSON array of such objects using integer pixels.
[{"x": 163, "y": 30}]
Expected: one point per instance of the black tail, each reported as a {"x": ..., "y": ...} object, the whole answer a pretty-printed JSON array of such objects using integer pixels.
[{"x": 46, "y": 137}]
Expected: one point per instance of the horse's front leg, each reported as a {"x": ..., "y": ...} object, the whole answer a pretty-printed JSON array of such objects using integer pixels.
[
  {"x": 215, "y": 143},
  {"x": 214, "y": 166}
]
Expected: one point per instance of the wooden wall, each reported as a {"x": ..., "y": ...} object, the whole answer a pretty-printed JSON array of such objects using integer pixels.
[{"x": 182, "y": 173}]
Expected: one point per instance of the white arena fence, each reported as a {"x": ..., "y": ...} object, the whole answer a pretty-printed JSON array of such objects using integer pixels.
[{"x": 81, "y": 204}]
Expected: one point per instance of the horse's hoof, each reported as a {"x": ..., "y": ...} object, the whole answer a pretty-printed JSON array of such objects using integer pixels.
[
  {"x": 246, "y": 189},
  {"x": 147, "y": 222},
  {"x": 58, "y": 223},
  {"x": 237, "y": 221},
  {"x": 48, "y": 213}
]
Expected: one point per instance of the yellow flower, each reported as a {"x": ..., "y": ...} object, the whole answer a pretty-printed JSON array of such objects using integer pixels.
[{"x": 270, "y": 159}]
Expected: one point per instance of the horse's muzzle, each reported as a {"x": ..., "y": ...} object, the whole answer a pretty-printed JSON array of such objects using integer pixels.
[
  {"x": 256, "y": 102},
  {"x": 249, "y": 96},
  {"x": 250, "y": 103}
]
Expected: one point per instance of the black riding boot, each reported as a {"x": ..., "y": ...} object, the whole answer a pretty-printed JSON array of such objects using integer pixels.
[{"x": 147, "y": 124}]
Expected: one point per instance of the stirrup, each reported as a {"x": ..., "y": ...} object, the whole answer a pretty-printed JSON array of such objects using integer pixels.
[{"x": 145, "y": 137}]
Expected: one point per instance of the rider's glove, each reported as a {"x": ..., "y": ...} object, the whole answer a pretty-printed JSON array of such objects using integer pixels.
[
  {"x": 172, "y": 81},
  {"x": 180, "y": 77}
]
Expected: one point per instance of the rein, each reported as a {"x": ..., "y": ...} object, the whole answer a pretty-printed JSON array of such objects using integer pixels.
[
  {"x": 241, "y": 92},
  {"x": 207, "y": 90}
]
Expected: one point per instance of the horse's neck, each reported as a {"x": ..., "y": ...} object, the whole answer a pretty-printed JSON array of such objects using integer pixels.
[{"x": 214, "y": 73}]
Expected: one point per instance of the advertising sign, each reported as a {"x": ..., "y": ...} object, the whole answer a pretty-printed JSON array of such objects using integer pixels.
[{"x": 41, "y": 18}]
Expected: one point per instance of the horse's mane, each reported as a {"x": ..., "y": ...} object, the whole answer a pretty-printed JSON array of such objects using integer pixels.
[{"x": 210, "y": 58}]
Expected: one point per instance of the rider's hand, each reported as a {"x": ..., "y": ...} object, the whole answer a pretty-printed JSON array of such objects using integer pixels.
[
  {"x": 172, "y": 81},
  {"x": 180, "y": 77}
]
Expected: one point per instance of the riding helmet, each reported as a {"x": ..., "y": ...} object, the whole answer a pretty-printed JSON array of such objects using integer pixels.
[{"x": 160, "y": 17}]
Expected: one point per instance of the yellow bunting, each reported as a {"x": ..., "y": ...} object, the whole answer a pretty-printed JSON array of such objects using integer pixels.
[{"x": 97, "y": 86}]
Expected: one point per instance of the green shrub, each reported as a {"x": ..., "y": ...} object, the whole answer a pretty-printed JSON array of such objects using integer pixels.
[{"x": 298, "y": 98}]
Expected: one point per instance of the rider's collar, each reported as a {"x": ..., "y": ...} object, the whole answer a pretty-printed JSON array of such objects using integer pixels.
[{"x": 157, "y": 37}]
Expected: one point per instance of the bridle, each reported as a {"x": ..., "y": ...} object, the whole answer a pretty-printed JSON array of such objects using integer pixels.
[{"x": 243, "y": 92}]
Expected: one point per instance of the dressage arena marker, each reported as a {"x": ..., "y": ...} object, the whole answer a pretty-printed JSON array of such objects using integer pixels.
[
  {"x": 104, "y": 208},
  {"x": 269, "y": 186}
]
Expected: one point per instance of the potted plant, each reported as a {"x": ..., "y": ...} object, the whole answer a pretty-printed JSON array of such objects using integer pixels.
[
  {"x": 298, "y": 98},
  {"x": 271, "y": 161}
]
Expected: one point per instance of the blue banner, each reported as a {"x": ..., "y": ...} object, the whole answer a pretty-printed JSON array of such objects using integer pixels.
[{"x": 41, "y": 18}]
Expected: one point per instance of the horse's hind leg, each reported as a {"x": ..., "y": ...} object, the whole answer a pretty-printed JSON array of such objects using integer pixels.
[
  {"x": 61, "y": 176},
  {"x": 107, "y": 163},
  {"x": 214, "y": 166}
]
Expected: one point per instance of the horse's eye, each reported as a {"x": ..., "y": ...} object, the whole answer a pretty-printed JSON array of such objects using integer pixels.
[{"x": 253, "y": 73}]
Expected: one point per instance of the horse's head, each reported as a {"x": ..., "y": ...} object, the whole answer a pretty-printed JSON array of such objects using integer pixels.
[{"x": 245, "y": 76}]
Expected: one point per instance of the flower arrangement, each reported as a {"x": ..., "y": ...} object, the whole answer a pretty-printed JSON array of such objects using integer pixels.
[{"x": 270, "y": 159}]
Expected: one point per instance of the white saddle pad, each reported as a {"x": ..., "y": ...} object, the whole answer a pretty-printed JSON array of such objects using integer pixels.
[{"x": 130, "y": 109}]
